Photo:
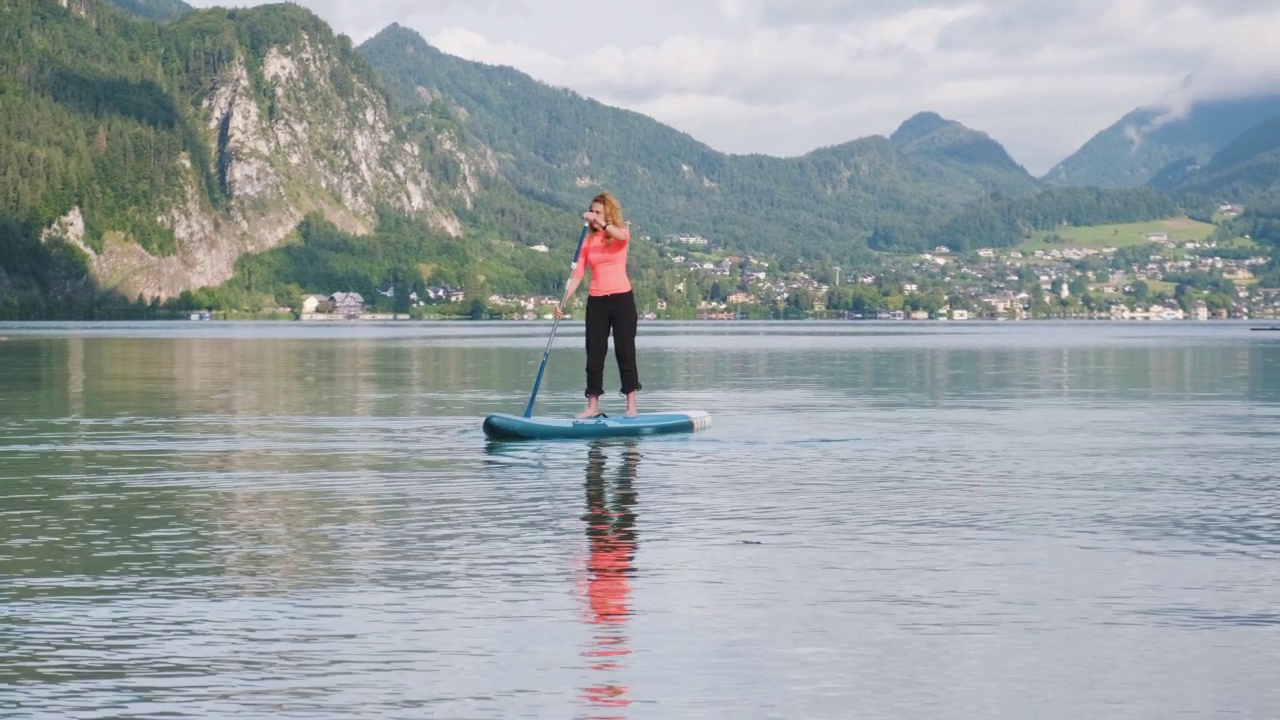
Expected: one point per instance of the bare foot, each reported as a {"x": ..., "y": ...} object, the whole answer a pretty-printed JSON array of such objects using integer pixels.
[
  {"x": 631, "y": 405},
  {"x": 589, "y": 413},
  {"x": 631, "y": 412}
]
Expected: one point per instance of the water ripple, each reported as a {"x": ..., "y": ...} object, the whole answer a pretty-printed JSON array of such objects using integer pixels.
[{"x": 973, "y": 523}]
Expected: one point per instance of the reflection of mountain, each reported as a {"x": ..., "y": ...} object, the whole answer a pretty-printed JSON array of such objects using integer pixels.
[
  {"x": 256, "y": 377},
  {"x": 316, "y": 385},
  {"x": 611, "y": 544},
  {"x": 1068, "y": 369}
]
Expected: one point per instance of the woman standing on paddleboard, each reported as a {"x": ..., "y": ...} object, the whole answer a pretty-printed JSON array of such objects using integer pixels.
[{"x": 611, "y": 305}]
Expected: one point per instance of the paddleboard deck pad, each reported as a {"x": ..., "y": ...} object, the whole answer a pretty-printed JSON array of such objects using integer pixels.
[{"x": 501, "y": 426}]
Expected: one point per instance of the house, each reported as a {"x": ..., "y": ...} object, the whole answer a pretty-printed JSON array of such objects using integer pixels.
[
  {"x": 347, "y": 303},
  {"x": 311, "y": 303},
  {"x": 438, "y": 293},
  {"x": 689, "y": 239}
]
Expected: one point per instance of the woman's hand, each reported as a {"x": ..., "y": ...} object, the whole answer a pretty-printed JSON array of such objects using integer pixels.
[
  {"x": 595, "y": 218},
  {"x": 559, "y": 312}
]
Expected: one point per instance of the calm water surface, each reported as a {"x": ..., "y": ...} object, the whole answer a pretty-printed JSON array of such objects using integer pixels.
[{"x": 1003, "y": 520}]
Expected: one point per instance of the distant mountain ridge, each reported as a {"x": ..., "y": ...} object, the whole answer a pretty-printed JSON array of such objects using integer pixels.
[
  {"x": 931, "y": 135},
  {"x": 1246, "y": 171},
  {"x": 562, "y": 147},
  {"x": 153, "y": 157},
  {"x": 1133, "y": 150},
  {"x": 1143, "y": 147}
]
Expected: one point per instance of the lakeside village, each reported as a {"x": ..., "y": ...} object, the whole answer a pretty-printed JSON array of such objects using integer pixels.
[{"x": 1160, "y": 278}]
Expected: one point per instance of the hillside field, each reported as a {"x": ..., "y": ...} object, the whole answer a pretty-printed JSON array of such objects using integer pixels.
[{"x": 1099, "y": 236}]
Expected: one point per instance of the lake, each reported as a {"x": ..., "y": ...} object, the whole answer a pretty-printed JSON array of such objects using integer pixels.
[{"x": 885, "y": 520}]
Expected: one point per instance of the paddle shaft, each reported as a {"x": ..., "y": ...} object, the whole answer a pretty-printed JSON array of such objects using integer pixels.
[{"x": 528, "y": 410}]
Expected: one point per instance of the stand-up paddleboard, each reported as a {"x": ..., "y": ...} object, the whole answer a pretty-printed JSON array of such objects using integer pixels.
[{"x": 502, "y": 426}]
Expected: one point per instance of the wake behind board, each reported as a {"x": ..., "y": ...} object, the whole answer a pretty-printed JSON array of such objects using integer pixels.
[{"x": 501, "y": 426}]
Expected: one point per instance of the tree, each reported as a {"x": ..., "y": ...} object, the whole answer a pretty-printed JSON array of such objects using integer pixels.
[
  {"x": 1217, "y": 301},
  {"x": 800, "y": 300},
  {"x": 1140, "y": 291}
]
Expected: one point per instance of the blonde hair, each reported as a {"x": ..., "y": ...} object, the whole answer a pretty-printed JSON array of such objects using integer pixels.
[{"x": 612, "y": 211}]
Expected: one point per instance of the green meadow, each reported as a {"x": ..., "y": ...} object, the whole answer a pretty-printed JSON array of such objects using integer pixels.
[{"x": 1117, "y": 236}]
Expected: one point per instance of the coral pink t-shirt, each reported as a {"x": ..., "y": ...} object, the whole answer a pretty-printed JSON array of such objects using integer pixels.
[{"x": 608, "y": 263}]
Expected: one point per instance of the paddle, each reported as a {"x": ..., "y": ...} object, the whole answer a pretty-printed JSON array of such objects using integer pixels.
[{"x": 528, "y": 411}]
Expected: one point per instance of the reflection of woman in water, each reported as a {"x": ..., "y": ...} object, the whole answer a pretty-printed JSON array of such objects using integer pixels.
[{"x": 611, "y": 544}]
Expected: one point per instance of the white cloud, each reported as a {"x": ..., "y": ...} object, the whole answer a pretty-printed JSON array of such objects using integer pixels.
[
  {"x": 474, "y": 46},
  {"x": 785, "y": 76}
]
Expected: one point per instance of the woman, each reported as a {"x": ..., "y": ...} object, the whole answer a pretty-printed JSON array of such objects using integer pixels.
[{"x": 611, "y": 306}]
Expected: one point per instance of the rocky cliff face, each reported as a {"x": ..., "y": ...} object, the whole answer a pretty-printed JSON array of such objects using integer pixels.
[{"x": 318, "y": 141}]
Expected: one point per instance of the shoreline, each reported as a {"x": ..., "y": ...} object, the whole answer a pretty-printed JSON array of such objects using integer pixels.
[{"x": 1269, "y": 322}]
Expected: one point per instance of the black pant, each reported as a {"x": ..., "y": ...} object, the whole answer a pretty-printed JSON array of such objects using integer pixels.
[{"x": 615, "y": 312}]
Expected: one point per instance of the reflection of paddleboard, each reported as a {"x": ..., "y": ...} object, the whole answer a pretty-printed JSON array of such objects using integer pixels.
[{"x": 501, "y": 426}]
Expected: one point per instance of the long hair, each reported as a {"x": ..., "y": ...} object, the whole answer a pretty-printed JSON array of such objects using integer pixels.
[{"x": 612, "y": 211}]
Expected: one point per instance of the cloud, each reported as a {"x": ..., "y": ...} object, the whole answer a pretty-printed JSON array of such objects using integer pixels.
[
  {"x": 364, "y": 18},
  {"x": 785, "y": 76},
  {"x": 1243, "y": 62}
]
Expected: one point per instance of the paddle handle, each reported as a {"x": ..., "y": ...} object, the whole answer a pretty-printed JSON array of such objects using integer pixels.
[{"x": 528, "y": 410}]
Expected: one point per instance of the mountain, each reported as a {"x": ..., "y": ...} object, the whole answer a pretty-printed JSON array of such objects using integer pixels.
[
  {"x": 556, "y": 145},
  {"x": 927, "y": 134},
  {"x": 161, "y": 153},
  {"x": 1145, "y": 141},
  {"x": 1244, "y": 172},
  {"x": 1259, "y": 140},
  {"x": 246, "y": 156}
]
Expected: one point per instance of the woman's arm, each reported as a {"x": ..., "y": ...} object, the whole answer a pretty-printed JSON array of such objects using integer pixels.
[
  {"x": 568, "y": 294},
  {"x": 575, "y": 278},
  {"x": 618, "y": 232},
  {"x": 571, "y": 288}
]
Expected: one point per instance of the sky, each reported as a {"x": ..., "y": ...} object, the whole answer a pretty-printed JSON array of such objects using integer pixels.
[{"x": 783, "y": 77}]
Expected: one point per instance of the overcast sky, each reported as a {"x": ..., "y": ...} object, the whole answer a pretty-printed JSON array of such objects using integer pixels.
[{"x": 783, "y": 77}]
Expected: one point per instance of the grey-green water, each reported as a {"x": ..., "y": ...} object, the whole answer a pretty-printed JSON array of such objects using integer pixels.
[{"x": 884, "y": 521}]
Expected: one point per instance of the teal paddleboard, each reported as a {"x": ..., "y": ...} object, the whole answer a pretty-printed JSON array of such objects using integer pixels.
[{"x": 502, "y": 426}]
